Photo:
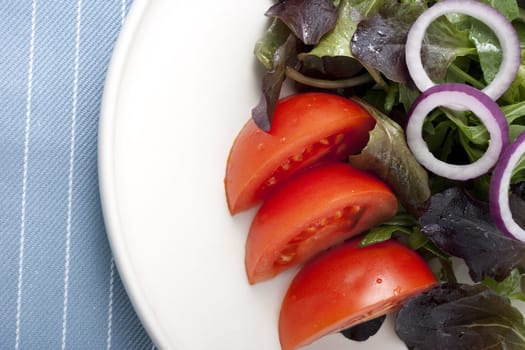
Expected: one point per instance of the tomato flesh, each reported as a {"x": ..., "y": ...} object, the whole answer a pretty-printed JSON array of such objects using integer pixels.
[
  {"x": 321, "y": 207},
  {"x": 332, "y": 147},
  {"x": 306, "y": 129},
  {"x": 341, "y": 220},
  {"x": 349, "y": 285}
]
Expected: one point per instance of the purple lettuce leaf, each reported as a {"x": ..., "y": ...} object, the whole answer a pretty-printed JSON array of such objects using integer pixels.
[
  {"x": 463, "y": 228},
  {"x": 308, "y": 20},
  {"x": 460, "y": 316},
  {"x": 272, "y": 81}
]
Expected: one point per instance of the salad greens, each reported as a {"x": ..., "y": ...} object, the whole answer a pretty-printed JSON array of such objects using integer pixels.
[
  {"x": 356, "y": 48},
  {"x": 483, "y": 320},
  {"x": 365, "y": 330},
  {"x": 308, "y": 20},
  {"x": 510, "y": 287},
  {"x": 368, "y": 36},
  {"x": 387, "y": 155},
  {"x": 461, "y": 228}
]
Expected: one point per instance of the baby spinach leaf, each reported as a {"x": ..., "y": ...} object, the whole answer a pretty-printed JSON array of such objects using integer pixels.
[{"x": 459, "y": 316}]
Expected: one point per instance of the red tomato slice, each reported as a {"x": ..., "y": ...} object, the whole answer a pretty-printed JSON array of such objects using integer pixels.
[
  {"x": 305, "y": 128},
  {"x": 349, "y": 285},
  {"x": 321, "y": 207}
]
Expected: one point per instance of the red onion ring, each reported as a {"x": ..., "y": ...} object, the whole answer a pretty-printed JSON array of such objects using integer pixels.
[
  {"x": 473, "y": 99},
  {"x": 499, "y": 189},
  {"x": 496, "y": 21}
]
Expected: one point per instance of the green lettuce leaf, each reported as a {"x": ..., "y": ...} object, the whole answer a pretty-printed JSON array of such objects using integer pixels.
[
  {"x": 331, "y": 56},
  {"x": 443, "y": 44},
  {"x": 382, "y": 233},
  {"x": 274, "y": 37},
  {"x": 510, "y": 287},
  {"x": 387, "y": 155},
  {"x": 516, "y": 92},
  {"x": 337, "y": 41},
  {"x": 488, "y": 49},
  {"x": 509, "y": 8}
]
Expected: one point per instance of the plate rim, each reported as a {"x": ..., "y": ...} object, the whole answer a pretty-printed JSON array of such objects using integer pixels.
[{"x": 106, "y": 172}]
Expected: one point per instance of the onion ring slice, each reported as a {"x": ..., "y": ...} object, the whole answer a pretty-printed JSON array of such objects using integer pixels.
[
  {"x": 499, "y": 189},
  {"x": 473, "y": 99},
  {"x": 496, "y": 21}
]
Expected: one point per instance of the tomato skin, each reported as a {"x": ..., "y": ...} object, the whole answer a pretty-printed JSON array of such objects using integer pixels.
[
  {"x": 349, "y": 285},
  {"x": 299, "y": 121},
  {"x": 325, "y": 205}
]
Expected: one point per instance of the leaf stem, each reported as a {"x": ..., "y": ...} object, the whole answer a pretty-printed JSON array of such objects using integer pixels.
[
  {"x": 465, "y": 76},
  {"x": 327, "y": 84},
  {"x": 447, "y": 270},
  {"x": 377, "y": 77}
]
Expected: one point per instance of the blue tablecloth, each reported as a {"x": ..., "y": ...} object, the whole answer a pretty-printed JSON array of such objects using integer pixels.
[{"x": 59, "y": 286}]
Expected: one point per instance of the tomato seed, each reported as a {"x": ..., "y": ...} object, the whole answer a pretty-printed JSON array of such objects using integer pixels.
[
  {"x": 303, "y": 236},
  {"x": 341, "y": 148},
  {"x": 311, "y": 229},
  {"x": 285, "y": 259},
  {"x": 294, "y": 161},
  {"x": 290, "y": 251},
  {"x": 287, "y": 255},
  {"x": 298, "y": 158}
]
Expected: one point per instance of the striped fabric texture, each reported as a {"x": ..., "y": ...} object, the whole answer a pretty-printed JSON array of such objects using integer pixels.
[{"x": 59, "y": 285}]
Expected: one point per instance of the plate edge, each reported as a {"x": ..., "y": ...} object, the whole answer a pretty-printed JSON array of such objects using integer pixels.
[{"x": 105, "y": 156}]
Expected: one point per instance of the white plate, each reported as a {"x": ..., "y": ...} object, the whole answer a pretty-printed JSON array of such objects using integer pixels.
[{"x": 181, "y": 84}]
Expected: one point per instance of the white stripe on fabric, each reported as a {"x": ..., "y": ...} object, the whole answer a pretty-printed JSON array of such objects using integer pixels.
[
  {"x": 122, "y": 12},
  {"x": 25, "y": 171},
  {"x": 110, "y": 303},
  {"x": 74, "y": 108},
  {"x": 112, "y": 263}
]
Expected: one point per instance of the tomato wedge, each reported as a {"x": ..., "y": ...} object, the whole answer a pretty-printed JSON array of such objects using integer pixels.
[
  {"x": 349, "y": 285},
  {"x": 321, "y": 207},
  {"x": 305, "y": 128}
]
